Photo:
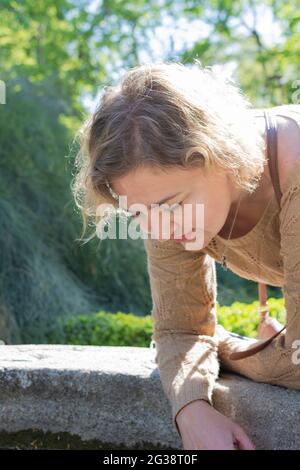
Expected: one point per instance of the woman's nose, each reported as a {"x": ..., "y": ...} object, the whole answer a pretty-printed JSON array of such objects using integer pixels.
[
  {"x": 166, "y": 232},
  {"x": 160, "y": 226}
]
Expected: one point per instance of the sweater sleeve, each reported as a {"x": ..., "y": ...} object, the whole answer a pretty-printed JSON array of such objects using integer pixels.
[
  {"x": 290, "y": 253},
  {"x": 183, "y": 288}
]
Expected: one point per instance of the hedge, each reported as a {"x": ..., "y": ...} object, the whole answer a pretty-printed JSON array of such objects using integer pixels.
[{"x": 126, "y": 329}]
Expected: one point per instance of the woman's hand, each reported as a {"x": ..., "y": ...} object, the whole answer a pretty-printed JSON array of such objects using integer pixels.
[
  {"x": 268, "y": 327},
  {"x": 202, "y": 427}
]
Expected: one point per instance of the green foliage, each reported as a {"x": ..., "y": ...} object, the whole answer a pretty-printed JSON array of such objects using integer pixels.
[
  {"x": 260, "y": 38},
  {"x": 244, "y": 318},
  {"x": 120, "y": 329},
  {"x": 43, "y": 271},
  {"x": 81, "y": 44},
  {"x": 35, "y": 281},
  {"x": 102, "y": 328},
  {"x": 230, "y": 285}
]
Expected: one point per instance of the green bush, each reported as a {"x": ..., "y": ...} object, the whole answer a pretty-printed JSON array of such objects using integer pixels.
[
  {"x": 244, "y": 318},
  {"x": 102, "y": 328},
  {"x": 126, "y": 329}
]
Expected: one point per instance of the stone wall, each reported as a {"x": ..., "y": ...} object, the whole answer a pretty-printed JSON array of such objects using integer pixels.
[{"x": 103, "y": 397}]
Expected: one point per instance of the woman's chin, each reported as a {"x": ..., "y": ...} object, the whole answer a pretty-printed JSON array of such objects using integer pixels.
[
  {"x": 197, "y": 243},
  {"x": 193, "y": 244}
]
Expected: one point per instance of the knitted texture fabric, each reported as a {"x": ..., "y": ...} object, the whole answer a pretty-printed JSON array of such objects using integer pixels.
[{"x": 190, "y": 348}]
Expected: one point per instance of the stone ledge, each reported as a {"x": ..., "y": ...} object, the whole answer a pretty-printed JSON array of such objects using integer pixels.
[{"x": 104, "y": 397}]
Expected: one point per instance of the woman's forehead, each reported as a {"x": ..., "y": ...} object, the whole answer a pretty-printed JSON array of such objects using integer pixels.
[
  {"x": 148, "y": 186},
  {"x": 150, "y": 177}
]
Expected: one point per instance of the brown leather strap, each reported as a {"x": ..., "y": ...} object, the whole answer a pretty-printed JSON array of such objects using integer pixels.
[
  {"x": 261, "y": 344},
  {"x": 263, "y": 300},
  {"x": 271, "y": 125}
]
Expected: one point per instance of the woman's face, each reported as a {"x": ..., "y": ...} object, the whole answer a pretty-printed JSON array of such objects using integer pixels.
[{"x": 195, "y": 206}]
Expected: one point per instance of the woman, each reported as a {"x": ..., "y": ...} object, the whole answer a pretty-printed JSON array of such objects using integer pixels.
[{"x": 172, "y": 138}]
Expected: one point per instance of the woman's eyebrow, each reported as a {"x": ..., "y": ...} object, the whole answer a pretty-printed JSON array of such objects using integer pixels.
[{"x": 162, "y": 201}]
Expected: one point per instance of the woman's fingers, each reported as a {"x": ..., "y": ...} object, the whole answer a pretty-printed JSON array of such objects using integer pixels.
[{"x": 241, "y": 439}]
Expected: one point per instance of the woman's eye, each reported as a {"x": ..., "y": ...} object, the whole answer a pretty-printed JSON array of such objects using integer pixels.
[
  {"x": 172, "y": 207},
  {"x": 175, "y": 206}
]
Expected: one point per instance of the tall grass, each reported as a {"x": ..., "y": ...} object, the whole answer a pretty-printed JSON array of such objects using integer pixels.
[{"x": 43, "y": 271}]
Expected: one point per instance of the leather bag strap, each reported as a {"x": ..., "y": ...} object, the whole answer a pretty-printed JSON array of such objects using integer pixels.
[{"x": 272, "y": 153}]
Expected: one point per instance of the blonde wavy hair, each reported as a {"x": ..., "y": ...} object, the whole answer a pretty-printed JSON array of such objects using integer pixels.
[{"x": 166, "y": 114}]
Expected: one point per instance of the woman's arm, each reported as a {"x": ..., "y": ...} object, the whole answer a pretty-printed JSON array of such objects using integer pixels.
[{"x": 183, "y": 287}]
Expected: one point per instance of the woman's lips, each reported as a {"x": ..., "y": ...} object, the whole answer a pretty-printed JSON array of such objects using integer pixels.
[{"x": 184, "y": 238}]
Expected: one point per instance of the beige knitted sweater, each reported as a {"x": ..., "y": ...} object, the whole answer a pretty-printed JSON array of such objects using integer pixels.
[{"x": 184, "y": 290}]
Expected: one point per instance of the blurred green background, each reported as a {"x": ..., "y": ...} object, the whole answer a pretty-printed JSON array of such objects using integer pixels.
[{"x": 55, "y": 57}]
